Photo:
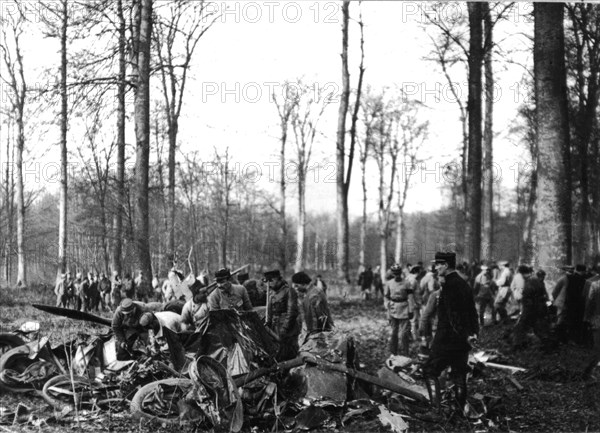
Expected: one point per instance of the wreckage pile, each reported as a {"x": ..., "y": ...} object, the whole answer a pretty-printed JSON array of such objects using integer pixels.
[{"x": 223, "y": 375}]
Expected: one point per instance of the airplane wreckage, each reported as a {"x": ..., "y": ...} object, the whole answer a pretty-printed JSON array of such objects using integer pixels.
[{"x": 222, "y": 376}]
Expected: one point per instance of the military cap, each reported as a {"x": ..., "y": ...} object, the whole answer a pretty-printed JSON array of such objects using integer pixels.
[
  {"x": 127, "y": 306},
  {"x": 580, "y": 268},
  {"x": 524, "y": 269},
  {"x": 447, "y": 257},
  {"x": 243, "y": 276},
  {"x": 300, "y": 278},
  {"x": 568, "y": 268},
  {"x": 271, "y": 275},
  {"x": 222, "y": 274}
]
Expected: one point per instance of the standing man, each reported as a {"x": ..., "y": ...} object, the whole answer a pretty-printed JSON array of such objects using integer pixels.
[
  {"x": 314, "y": 305},
  {"x": 62, "y": 299},
  {"x": 115, "y": 294},
  {"x": 228, "y": 295},
  {"x": 575, "y": 304},
  {"x": 282, "y": 313},
  {"x": 534, "y": 313},
  {"x": 104, "y": 289},
  {"x": 365, "y": 281},
  {"x": 592, "y": 317},
  {"x": 414, "y": 277},
  {"x": 128, "y": 287},
  {"x": 400, "y": 307},
  {"x": 457, "y": 327},
  {"x": 485, "y": 291}
]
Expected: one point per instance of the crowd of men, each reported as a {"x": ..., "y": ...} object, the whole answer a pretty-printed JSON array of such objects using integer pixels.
[
  {"x": 443, "y": 306},
  {"x": 292, "y": 309}
]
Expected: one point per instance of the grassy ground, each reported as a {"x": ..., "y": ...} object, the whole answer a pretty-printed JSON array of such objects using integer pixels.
[{"x": 555, "y": 400}]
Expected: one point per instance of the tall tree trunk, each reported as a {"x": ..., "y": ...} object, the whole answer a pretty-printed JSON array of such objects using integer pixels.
[
  {"x": 21, "y": 264},
  {"x": 383, "y": 246},
  {"x": 400, "y": 234},
  {"x": 342, "y": 197},
  {"x": 553, "y": 165},
  {"x": 282, "y": 186},
  {"x": 527, "y": 250},
  {"x": 474, "y": 112},
  {"x": 62, "y": 230},
  {"x": 487, "y": 240},
  {"x": 9, "y": 203},
  {"x": 363, "y": 223},
  {"x": 120, "y": 208},
  {"x": 142, "y": 133},
  {"x": 300, "y": 235},
  {"x": 173, "y": 129}
]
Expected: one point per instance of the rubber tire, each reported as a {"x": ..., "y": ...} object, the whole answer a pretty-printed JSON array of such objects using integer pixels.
[
  {"x": 136, "y": 403},
  {"x": 11, "y": 341},
  {"x": 54, "y": 402},
  {"x": 14, "y": 352}
]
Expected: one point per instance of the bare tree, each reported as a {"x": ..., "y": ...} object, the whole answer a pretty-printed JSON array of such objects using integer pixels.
[
  {"x": 141, "y": 55},
  {"x": 285, "y": 107},
  {"x": 553, "y": 163},
  {"x": 305, "y": 118},
  {"x": 385, "y": 149},
  {"x": 344, "y": 175},
  {"x": 582, "y": 41},
  {"x": 487, "y": 238},
  {"x": 372, "y": 109},
  {"x": 13, "y": 26},
  {"x": 412, "y": 134},
  {"x": 178, "y": 29}
]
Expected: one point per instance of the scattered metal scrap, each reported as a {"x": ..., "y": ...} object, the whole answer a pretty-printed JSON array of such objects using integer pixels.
[{"x": 223, "y": 375}]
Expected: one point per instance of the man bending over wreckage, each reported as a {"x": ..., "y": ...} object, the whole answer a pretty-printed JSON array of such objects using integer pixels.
[
  {"x": 457, "y": 327},
  {"x": 154, "y": 324},
  {"x": 127, "y": 328}
]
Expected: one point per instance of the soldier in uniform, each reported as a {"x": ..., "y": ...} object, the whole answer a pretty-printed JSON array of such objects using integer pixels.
[
  {"x": 283, "y": 315},
  {"x": 115, "y": 294},
  {"x": 62, "y": 297},
  {"x": 104, "y": 289},
  {"x": 365, "y": 280},
  {"x": 485, "y": 292},
  {"x": 228, "y": 295},
  {"x": 314, "y": 305},
  {"x": 400, "y": 303},
  {"x": 534, "y": 313},
  {"x": 457, "y": 327}
]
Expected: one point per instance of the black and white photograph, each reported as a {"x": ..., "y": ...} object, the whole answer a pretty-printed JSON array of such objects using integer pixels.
[{"x": 292, "y": 216}]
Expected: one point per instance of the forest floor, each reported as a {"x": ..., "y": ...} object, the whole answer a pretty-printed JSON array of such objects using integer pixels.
[{"x": 554, "y": 396}]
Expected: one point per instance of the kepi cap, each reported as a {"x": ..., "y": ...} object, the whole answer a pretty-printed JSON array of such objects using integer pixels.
[
  {"x": 271, "y": 275},
  {"x": 222, "y": 274},
  {"x": 300, "y": 278}
]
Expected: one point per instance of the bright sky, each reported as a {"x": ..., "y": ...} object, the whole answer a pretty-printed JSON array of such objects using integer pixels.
[{"x": 256, "y": 46}]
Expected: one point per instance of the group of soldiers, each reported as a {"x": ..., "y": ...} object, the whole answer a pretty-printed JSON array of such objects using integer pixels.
[
  {"x": 290, "y": 310},
  {"x": 95, "y": 291},
  {"x": 445, "y": 305}
]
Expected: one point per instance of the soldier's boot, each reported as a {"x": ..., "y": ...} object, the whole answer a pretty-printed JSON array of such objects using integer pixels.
[{"x": 461, "y": 391}]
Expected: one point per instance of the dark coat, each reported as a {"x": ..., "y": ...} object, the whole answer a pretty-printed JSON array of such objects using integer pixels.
[{"x": 457, "y": 316}]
